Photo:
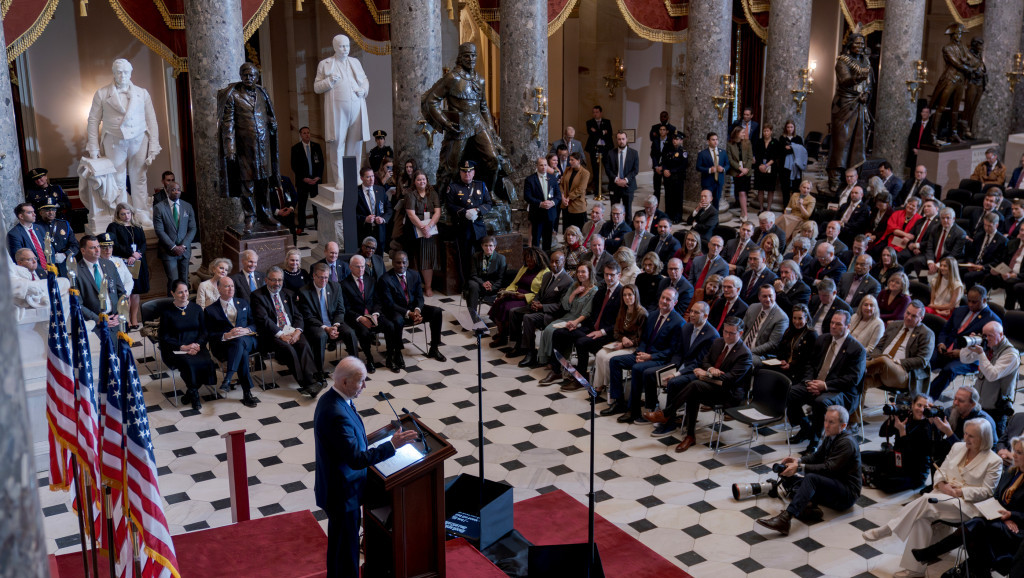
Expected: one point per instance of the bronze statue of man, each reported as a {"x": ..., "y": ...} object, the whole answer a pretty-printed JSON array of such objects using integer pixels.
[
  {"x": 949, "y": 90},
  {"x": 248, "y": 146},
  {"x": 850, "y": 117},
  {"x": 974, "y": 87}
]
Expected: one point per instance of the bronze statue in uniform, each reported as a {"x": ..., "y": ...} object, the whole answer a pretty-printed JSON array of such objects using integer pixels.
[
  {"x": 850, "y": 117},
  {"x": 949, "y": 90},
  {"x": 975, "y": 86}
]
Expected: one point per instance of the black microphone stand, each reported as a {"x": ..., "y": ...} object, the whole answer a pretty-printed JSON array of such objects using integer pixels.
[{"x": 962, "y": 556}]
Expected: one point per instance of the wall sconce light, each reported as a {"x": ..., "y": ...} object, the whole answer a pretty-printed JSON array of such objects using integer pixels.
[
  {"x": 427, "y": 131},
  {"x": 616, "y": 79},
  {"x": 800, "y": 94},
  {"x": 83, "y": 8},
  {"x": 921, "y": 78},
  {"x": 535, "y": 118},
  {"x": 298, "y": 5},
  {"x": 1015, "y": 75},
  {"x": 722, "y": 101}
]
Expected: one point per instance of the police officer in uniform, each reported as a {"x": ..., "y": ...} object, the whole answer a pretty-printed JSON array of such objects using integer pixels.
[
  {"x": 468, "y": 201},
  {"x": 62, "y": 237},
  {"x": 674, "y": 161},
  {"x": 40, "y": 189},
  {"x": 380, "y": 152}
]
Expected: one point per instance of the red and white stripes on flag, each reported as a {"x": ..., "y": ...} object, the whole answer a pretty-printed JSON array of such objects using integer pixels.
[
  {"x": 61, "y": 415},
  {"x": 87, "y": 416},
  {"x": 112, "y": 449}
]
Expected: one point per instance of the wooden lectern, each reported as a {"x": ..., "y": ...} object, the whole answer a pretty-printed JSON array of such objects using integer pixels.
[{"x": 403, "y": 512}]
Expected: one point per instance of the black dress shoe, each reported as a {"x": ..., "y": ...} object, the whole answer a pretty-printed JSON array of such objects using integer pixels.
[
  {"x": 614, "y": 409},
  {"x": 780, "y": 523},
  {"x": 435, "y": 353},
  {"x": 515, "y": 353},
  {"x": 626, "y": 418},
  {"x": 197, "y": 404},
  {"x": 499, "y": 340},
  {"x": 400, "y": 360},
  {"x": 529, "y": 360},
  {"x": 249, "y": 401},
  {"x": 800, "y": 436},
  {"x": 391, "y": 364},
  {"x": 811, "y": 448},
  {"x": 371, "y": 367}
]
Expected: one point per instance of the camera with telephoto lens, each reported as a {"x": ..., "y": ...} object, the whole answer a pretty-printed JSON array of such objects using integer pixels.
[
  {"x": 744, "y": 491},
  {"x": 902, "y": 408},
  {"x": 968, "y": 341},
  {"x": 778, "y": 468}
]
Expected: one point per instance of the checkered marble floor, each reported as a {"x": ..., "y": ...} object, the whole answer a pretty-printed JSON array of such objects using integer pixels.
[{"x": 680, "y": 505}]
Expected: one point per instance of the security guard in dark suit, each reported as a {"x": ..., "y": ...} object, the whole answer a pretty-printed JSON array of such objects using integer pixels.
[
  {"x": 468, "y": 201},
  {"x": 62, "y": 237},
  {"x": 380, "y": 152},
  {"x": 39, "y": 189},
  {"x": 674, "y": 161}
]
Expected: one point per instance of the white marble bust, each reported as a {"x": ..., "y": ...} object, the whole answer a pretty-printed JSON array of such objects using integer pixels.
[{"x": 344, "y": 85}]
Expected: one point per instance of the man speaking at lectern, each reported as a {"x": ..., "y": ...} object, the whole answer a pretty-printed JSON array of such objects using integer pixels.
[{"x": 341, "y": 461}]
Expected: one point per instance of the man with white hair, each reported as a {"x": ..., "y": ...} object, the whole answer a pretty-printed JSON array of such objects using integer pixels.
[
  {"x": 998, "y": 364},
  {"x": 826, "y": 267},
  {"x": 653, "y": 213},
  {"x": 766, "y": 225}
]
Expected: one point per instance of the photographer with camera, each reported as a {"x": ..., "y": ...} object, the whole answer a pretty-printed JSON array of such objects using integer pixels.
[
  {"x": 830, "y": 476},
  {"x": 965, "y": 408},
  {"x": 998, "y": 363},
  {"x": 903, "y": 464},
  {"x": 966, "y": 320}
]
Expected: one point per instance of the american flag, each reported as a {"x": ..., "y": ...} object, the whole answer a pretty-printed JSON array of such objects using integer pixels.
[
  {"x": 145, "y": 503},
  {"x": 60, "y": 392},
  {"x": 87, "y": 446},
  {"x": 113, "y": 452}
]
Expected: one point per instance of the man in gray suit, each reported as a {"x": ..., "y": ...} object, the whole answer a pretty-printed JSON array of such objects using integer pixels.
[
  {"x": 569, "y": 140},
  {"x": 766, "y": 324},
  {"x": 901, "y": 358},
  {"x": 92, "y": 271},
  {"x": 174, "y": 223},
  {"x": 544, "y": 308},
  {"x": 855, "y": 284},
  {"x": 998, "y": 363},
  {"x": 638, "y": 239},
  {"x": 597, "y": 256}
]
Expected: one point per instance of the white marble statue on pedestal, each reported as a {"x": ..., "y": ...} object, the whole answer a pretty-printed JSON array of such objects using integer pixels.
[
  {"x": 129, "y": 136},
  {"x": 344, "y": 85}
]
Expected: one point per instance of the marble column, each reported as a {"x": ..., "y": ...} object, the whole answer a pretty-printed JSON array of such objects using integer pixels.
[
  {"x": 12, "y": 189},
  {"x": 213, "y": 32},
  {"x": 707, "y": 58},
  {"x": 1018, "y": 99},
  {"x": 902, "y": 38},
  {"x": 24, "y": 543},
  {"x": 1002, "y": 36},
  {"x": 789, "y": 44},
  {"x": 415, "y": 67}
]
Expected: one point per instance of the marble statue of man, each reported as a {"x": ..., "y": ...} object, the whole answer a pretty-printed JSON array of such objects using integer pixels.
[
  {"x": 129, "y": 136},
  {"x": 344, "y": 85}
]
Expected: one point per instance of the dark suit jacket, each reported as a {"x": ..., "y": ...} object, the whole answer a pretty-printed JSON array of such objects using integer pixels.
[
  {"x": 668, "y": 248},
  {"x": 495, "y": 273},
  {"x": 599, "y": 131},
  {"x": 857, "y": 223},
  {"x": 217, "y": 323},
  {"x": 654, "y": 135},
  {"x": 341, "y": 268},
  {"x": 916, "y": 229},
  {"x": 663, "y": 344},
  {"x": 169, "y": 236},
  {"x": 629, "y": 170},
  {"x": 90, "y": 293},
  {"x": 837, "y": 304},
  {"x": 685, "y": 290},
  {"x": 704, "y": 222},
  {"x": 300, "y": 166},
  {"x": 342, "y": 455},
  {"x": 847, "y": 369},
  {"x": 641, "y": 249},
  {"x": 730, "y": 249},
  {"x": 309, "y": 305},
  {"x": 917, "y": 138},
  {"x": 718, "y": 267},
  {"x": 656, "y": 146},
  {"x": 759, "y": 235},
  {"x": 688, "y": 355},
  {"x": 708, "y": 180},
  {"x": 737, "y": 365},
  {"x": 798, "y": 293},
  {"x": 611, "y": 310},
  {"x": 356, "y": 304},
  {"x": 909, "y": 184},
  {"x": 383, "y": 209},
  {"x": 552, "y": 288},
  {"x": 868, "y": 286},
  {"x": 838, "y": 458},
  {"x": 834, "y": 270},
  {"x": 719, "y": 313},
  {"x": 951, "y": 330},
  {"x": 603, "y": 260},
  {"x": 1012, "y": 183},
  {"x": 752, "y": 283},
  {"x": 18, "y": 238},
  {"x": 535, "y": 196},
  {"x": 956, "y": 241},
  {"x": 993, "y": 253},
  {"x": 614, "y": 235},
  {"x": 393, "y": 298},
  {"x": 266, "y": 317},
  {"x": 242, "y": 284}
]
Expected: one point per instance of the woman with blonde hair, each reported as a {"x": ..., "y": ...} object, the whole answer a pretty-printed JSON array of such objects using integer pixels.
[
  {"x": 649, "y": 279},
  {"x": 689, "y": 251},
  {"x": 947, "y": 288},
  {"x": 626, "y": 259},
  {"x": 772, "y": 258},
  {"x": 866, "y": 326},
  {"x": 711, "y": 290},
  {"x": 208, "y": 292},
  {"x": 893, "y": 300},
  {"x": 573, "y": 247},
  {"x": 799, "y": 210},
  {"x": 628, "y": 328},
  {"x": 130, "y": 245}
]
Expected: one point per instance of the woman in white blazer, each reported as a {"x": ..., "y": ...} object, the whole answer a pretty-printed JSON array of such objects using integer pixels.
[{"x": 968, "y": 475}]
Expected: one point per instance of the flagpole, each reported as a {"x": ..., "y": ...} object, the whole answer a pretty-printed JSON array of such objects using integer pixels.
[
  {"x": 78, "y": 510},
  {"x": 92, "y": 525},
  {"x": 109, "y": 507},
  {"x": 132, "y": 532}
]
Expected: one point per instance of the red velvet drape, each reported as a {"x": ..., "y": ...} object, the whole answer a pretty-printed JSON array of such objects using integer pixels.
[{"x": 750, "y": 72}]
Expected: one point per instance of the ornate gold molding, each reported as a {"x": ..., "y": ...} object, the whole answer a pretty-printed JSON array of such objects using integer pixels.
[
  {"x": 749, "y": 8},
  {"x": 371, "y": 46},
  {"x": 480, "y": 19},
  {"x": 865, "y": 29},
  {"x": 568, "y": 10},
  {"x": 379, "y": 16},
  {"x": 966, "y": 22},
  {"x": 20, "y": 44},
  {"x": 5, "y": 5},
  {"x": 875, "y": 4},
  {"x": 257, "y": 20},
  {"x": 179, "y": 63},
  {"x": 677, "y": 10},
  {"x": 648, "y": 33},
  {"x": 173, "y": 21}
]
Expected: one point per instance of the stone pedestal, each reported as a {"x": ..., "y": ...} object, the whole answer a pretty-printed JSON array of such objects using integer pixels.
[
  {"x": 270, "y": 245},
  {"x": 1002, "y": 34},
  {"x": 336, "y": 212},
  {"x": 213, "y": 34},
  {"x": 157, "y": 275},
  {"x": 949, "y": 164},
  {"x": 901, "y": 46},
  {"x": 707, "y": 58},
  {"x": 415, "y": 66},
  {"x": 446, "y": 279},
  {"x": 1014, "y": 150},
  {"x": 788, "y": 47}
]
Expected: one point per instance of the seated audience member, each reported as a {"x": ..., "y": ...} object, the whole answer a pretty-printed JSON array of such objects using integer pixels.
[
  {"x": 858, "y": 283},
  {"x": 92, "y": 271},
  {"x": 772, "y": 256},
  {"x": 799, "y": 209},
  {"x": 900, "y": 359},
  {"x": 964, "y": 408},
  {"x": 1016, "y": 218},
  {"x": 842, "y": 196},
  {"x": 917, "y": 235},
  {"x": 704, "y": 217},
  {"x": 182, "y": 329},
  {"x": 664, "y": 244},
  {"x": 363, "y": 311},
  {"x": 765, "y": 323},
  {"x": 729, "y": 304},
  {"x": 576, "y": 305},
  {"x": 401, "y": 293},
  {"x": 824, "y": 303},
  {"x": 832, "y": 379},
  {"x": 336, "y": 268},
  {"x": 542, "y": 310},
  {"x": 898, "y": 229},
  {"x": 710, "y": 264},
  {"x": 279, "y": 323},
  {"x": 913, "y": 444},
  {"x": 689, "y": 250},
  {"x": 597, "y": 329},
  {"x": 984, "y": 252},
  {"x": 486, "y": 275},
  {"x": 736, "y": 250},
  {"x": 991, "y": 171},
  {"x": 948, "y": 240},
  {"x": 888, "y": 263},
  {"x": 853, "y": 217},
  {"x": 374, "y": 261},
  {"x": 649, "y": 279},
  {"x": 893, "y": 300},
  {"x": 615, "y": 230},
  {"x": 26, "y": 233},
  {"x": 968, "y": 475},
  {"x": 209, "y": 290},
  {"x": 107, "y": 252},
  {"x": 1016, "y": 182},
  {"x": 796, "y": 348},
  {"x": 1014, "y": 428},
  {"x": 807, "y": 229},
  {"x": 766, "y": 225},
  {"x": 519, "y": 293},
  {"x": 710, "y": 292},
  {"x": 627, "y": 262},
  {"x": 248, "y": 279},
  {"x": 26, "y": 258},
  {"x": 677, "y": 281},
  {"x": 638, "y": 239},
  {"x": 832, "y": 476},
  {"x": 966, "y": 320},
  {"x": 592, "y": 228},
  {"x": 827, "y": 266},
  {"x": 597, "y": 256},
  {"x": 654, "y": 214},
  {"x": 1013, "y": 280},
  {"x": 990, "y": 543},
  {"x": 231, "y": 330},
  {"x": 573, "y": 247},
  {"x": 832, "y": 237},
  {"x": 755, "y": 275},
  {"x": 790, "y": 289},
  {"x": 295, "y": 277},
  {"x": 323, "y": 306},
  {"x": 859, "y": 247},
  {"x": 914, "y": 187},
  {"x": 723, "y": 378},
  {"x": 891, "y": 184},
  {"x": 865, "y": 325},
  {"x": 629, "y": 328},
  {"x": 947, "y": 288},
  {"x": 878, "y": 232},
  {"x": 659, "y": 340},
  {"x": 802, "y": 256},
  {"x": 998, "y": 366}
]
